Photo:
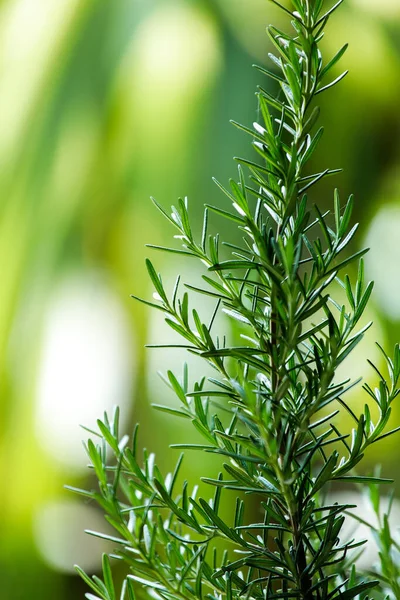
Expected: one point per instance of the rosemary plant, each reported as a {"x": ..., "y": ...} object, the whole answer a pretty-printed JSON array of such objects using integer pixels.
[{"x": 271, "y": 409}]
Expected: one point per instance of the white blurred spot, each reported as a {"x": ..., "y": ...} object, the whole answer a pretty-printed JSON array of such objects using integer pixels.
[
  {"x": 353, "y": 529},
  {"x": 370, "y": 51},
  {"x": 171, "y": 64},
  {"x": 86, "y": 365},
  {"x": 176, "y": 48},
  {"x": 59, "y": 533},
  {"x": 248, "y": 21},
  {"x": 356, "y": 363},
  {"x": 383, "y": 261}
]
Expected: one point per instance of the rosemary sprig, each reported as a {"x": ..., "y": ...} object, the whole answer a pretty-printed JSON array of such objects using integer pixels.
[{"x": 281, "y": 446}]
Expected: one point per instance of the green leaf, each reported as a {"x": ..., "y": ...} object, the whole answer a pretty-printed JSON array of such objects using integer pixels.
[
  {"x": 362, "y": 479},
  {"x": 127, "y": 592},
  {"x": 171, "y": 250},
  {"x": 328, "y": 13},
  {"x": 156, "y": 281},
  {"x": 325, "y": 473},
  {"x": 171, "y": 411},
  {"x": 358, "y": 589},
  {"x": 333, "y": 61},
  {"x": 152, "y": 304},
  {"x": 87, "y": 579},
  {"x": 224, "y": 213},
  {"x": 94, "y": 453},
  {"x": 220, "y": 524},
  {"x": 108, "y": 578},
  {"x": 275, "y": 364},
  {"x": 312, "y": 145}
]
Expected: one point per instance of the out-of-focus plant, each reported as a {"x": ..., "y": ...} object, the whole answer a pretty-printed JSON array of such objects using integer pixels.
[
  {"x": 270, "y": 409},
  {"x": 387, "y": 567}
]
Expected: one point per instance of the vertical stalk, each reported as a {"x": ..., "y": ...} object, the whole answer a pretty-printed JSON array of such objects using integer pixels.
[{"x": 306, "y": 44}]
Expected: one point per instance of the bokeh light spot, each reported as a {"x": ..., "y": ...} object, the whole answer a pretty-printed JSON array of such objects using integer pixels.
[
  {"x": 59, "y": 533},
  {"x": 384, "y": 258},
  {"x": 86, "y": 366}
]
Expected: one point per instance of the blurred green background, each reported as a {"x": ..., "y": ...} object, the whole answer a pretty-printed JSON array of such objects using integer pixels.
[{"x": 102, "y": 104}]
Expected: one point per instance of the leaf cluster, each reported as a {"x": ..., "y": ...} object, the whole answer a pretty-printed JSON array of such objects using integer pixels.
[{"x": 270, "y": 408}]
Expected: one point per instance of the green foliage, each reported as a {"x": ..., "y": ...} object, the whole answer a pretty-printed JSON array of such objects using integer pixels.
[
  {"x": 387, "y": 569},
  {"x": 270, "y": 409}
]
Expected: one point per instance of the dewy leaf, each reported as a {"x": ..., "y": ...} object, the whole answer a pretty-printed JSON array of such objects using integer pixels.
[{"x": 274, "y": 336}]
